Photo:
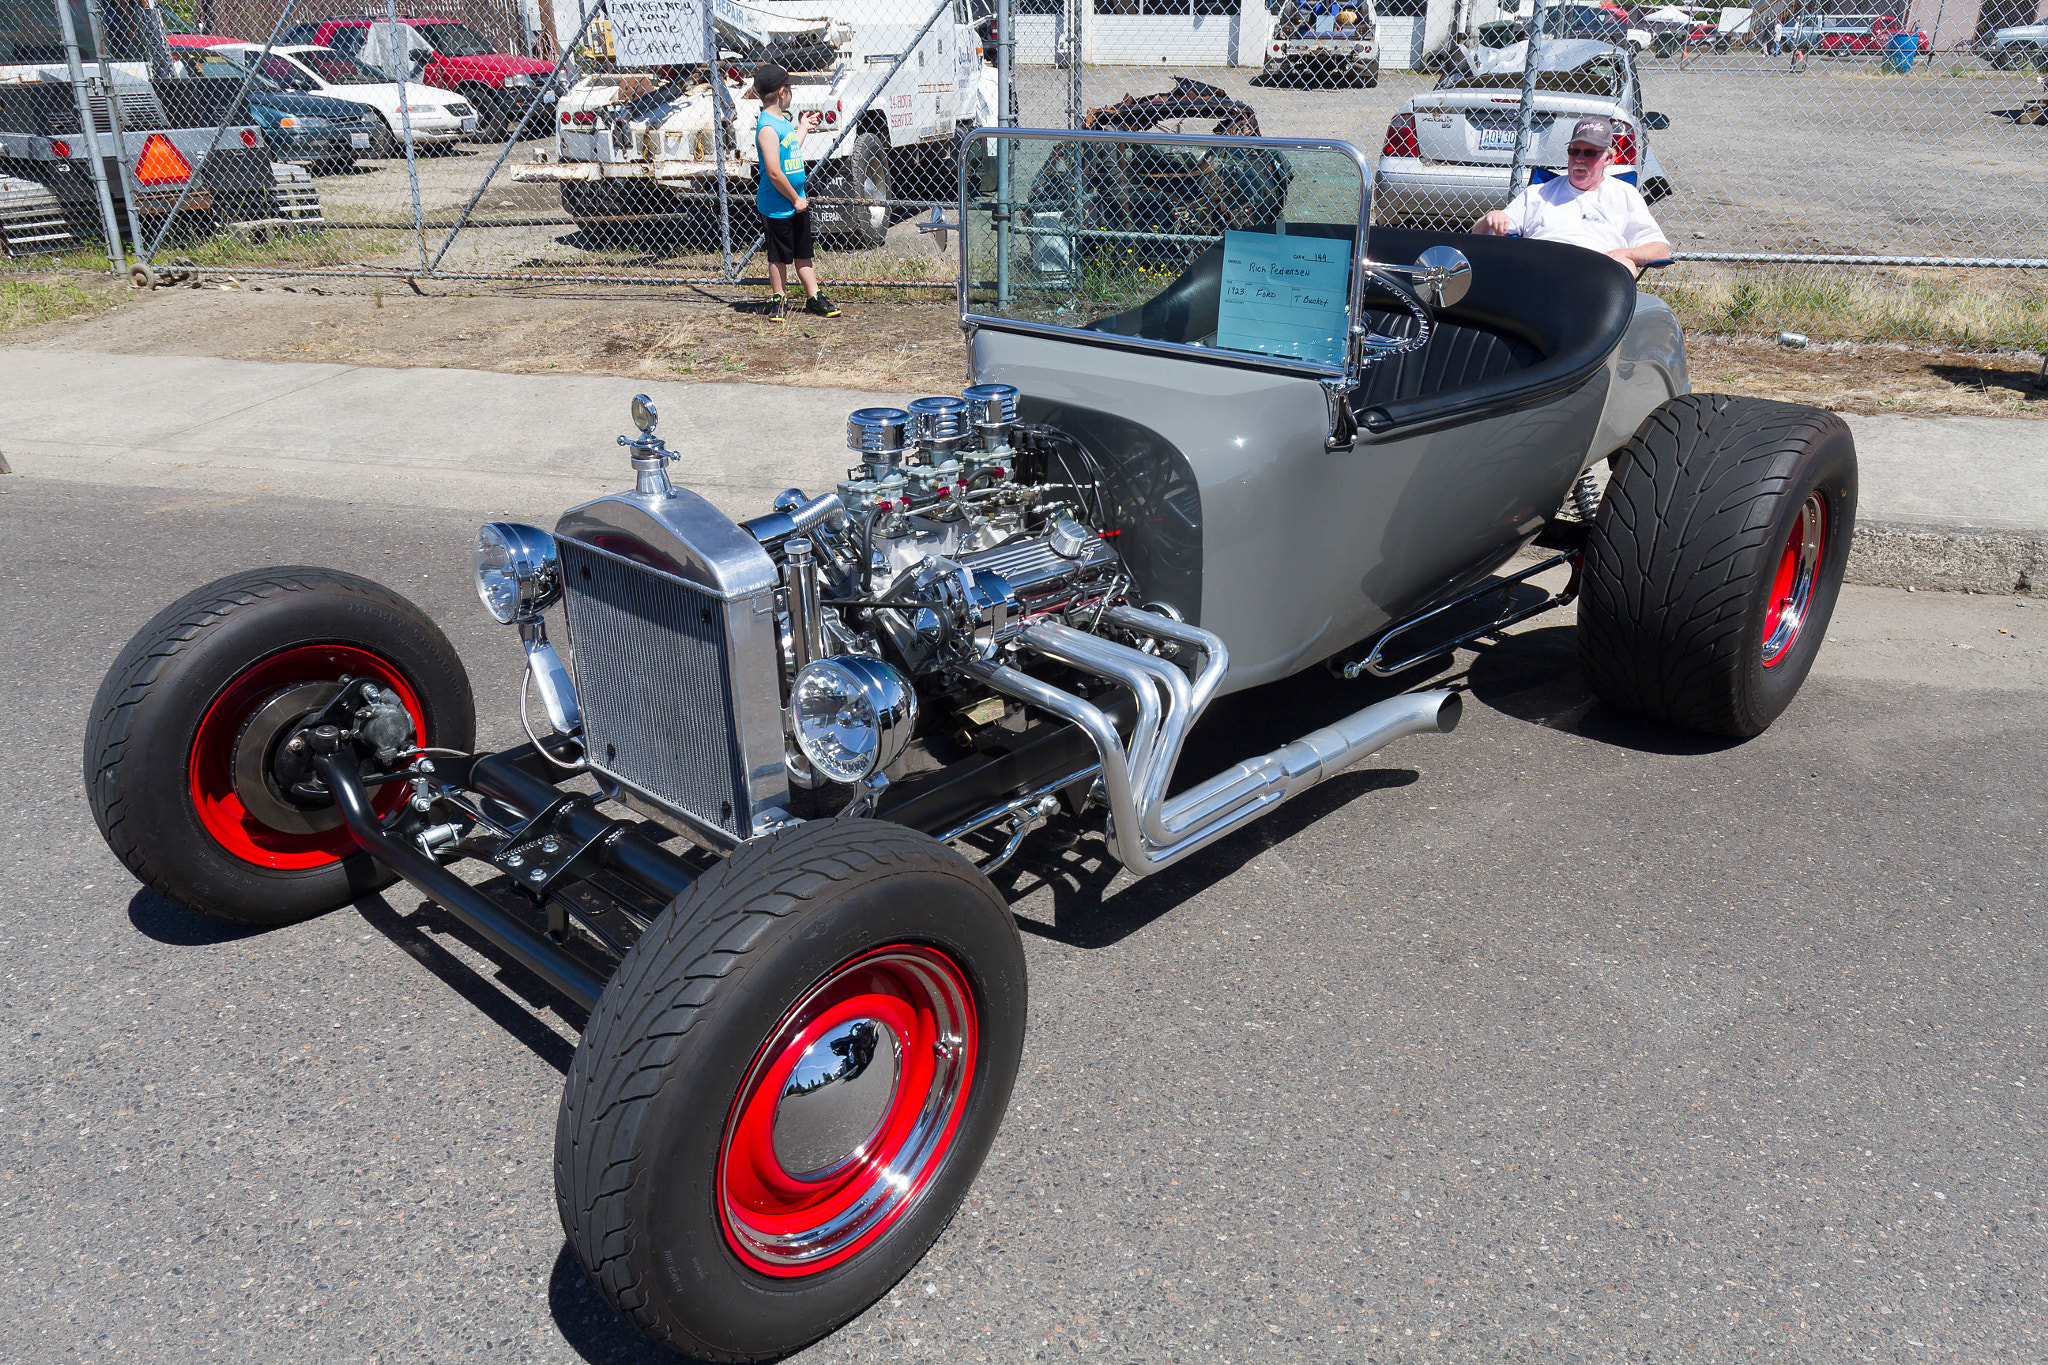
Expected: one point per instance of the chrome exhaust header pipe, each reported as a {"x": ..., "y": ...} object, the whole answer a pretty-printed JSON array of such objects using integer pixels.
[{"x": 1147, "y": 830}]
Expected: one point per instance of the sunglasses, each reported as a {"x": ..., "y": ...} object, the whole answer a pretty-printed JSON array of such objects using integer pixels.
[{"x": 1587, "y": 153}]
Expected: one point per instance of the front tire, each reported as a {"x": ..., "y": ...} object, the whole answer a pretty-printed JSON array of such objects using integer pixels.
[
  {"x": 184, "y": 732},
  {"x": 788, "y": 1086},
  {"x": 1715, "y": 561}
]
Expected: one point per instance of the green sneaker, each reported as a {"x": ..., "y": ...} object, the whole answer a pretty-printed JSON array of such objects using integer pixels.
[
  {"x": 778, "y": 307},
  {"x": 821, "y": 306}
]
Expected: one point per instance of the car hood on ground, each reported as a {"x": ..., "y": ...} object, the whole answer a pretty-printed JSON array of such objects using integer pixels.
[{"x": 2024, "y": 32}]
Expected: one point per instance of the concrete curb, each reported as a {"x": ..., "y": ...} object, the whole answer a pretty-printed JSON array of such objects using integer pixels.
[{"x": 1904, "y": 554}]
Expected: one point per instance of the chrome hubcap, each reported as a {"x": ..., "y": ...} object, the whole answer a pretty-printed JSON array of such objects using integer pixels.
[
  {"x": 835, "y": 1099},
  {"x": 1798, "y": 572}
]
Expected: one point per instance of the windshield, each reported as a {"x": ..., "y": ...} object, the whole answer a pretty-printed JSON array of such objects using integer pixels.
[
  {"x": 1604, "y": 79},
  {"x": 456, "y": 40},
  {"x": 1189, "y": 241},
  {"x": 336, "y": 68},
  {"x": 213, "y": 64}
]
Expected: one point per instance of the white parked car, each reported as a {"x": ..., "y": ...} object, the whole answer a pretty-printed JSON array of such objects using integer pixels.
[
  {"x": 1448, "y": 154},
  {"x": 438, "y": 117}
]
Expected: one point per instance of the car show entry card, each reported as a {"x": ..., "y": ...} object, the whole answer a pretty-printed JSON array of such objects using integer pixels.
[
  {"x": 656, "y": 32},
  {"x": 1284, "y": 296}
]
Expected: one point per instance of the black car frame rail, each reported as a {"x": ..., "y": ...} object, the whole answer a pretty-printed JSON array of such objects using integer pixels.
[{"x": 577, "y": 868}]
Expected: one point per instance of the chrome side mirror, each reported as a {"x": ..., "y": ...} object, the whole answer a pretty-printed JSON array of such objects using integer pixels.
[{"x": 1448, "y": 277}]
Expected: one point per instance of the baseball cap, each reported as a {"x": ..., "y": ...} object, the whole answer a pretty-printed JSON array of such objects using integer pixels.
[
  {"x": 1594, "y": 131},
  {"x": 768, "y": 78}
]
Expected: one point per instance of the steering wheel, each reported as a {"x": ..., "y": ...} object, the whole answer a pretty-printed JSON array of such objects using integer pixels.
[{"x": 1378, "y": 347}]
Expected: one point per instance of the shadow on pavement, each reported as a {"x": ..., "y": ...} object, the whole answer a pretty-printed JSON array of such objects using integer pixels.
[
  {"x": 590, "y": 1326},
  {"x": 157, "y": 918},
  {"x": 499, "y": 999},
  {"x": 1534, "y": 676},
  {"x": 1086, "y": 913}
]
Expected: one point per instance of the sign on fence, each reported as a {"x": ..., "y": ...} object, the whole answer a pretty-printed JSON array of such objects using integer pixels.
[{"x": 657, "y": 32}]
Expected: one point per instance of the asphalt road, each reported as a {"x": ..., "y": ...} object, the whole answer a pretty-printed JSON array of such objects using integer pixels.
[{"x": 1561, "y": 1038}]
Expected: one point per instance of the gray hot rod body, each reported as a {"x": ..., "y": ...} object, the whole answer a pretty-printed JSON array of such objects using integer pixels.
[{"x": 1234, "y": 512}]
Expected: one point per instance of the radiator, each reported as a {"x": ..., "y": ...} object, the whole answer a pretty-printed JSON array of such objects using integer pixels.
[{"x": 654, "y": 679}]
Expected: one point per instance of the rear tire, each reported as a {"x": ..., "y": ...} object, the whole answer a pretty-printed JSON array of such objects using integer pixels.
[
  {"x": 168, "y": 750},
  {"x": 675, "y": 1143},
  {"x": 1715, "y": 561}
]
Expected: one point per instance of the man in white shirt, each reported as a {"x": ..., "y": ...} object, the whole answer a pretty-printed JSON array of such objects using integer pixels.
[{"x": 1584, "y": 207}]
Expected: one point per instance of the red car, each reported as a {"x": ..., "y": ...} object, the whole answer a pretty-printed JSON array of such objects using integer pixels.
[
  {"x": 1876, "y": 37},
  {"x": 449, "y": 54}
]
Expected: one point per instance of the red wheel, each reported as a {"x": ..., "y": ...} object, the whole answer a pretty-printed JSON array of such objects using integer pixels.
[
  {"x": 235, "y": 789},
  {"x": 788, "y": 1085},
  {"x": 1798, "y": 574},
  {"x": 847, "y": 1111},
  {"x": 187, "y": 763}
]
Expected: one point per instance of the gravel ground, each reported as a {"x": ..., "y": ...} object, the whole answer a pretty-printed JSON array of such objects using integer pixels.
[
  {"x": 1561, "y": 1038},
  {"x": 887, "y": 345}
]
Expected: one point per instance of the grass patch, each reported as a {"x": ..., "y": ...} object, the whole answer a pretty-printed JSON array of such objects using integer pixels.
[
  {"x": 26, "y": 302},
  {"x": 1958, "y": 309}
]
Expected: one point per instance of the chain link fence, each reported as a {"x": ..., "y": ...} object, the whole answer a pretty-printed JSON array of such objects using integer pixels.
[{"x": 1839, "y": 171}]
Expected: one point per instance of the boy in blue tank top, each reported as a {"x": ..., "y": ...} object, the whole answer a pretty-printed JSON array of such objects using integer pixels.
[{"x": 779, "y": 194}]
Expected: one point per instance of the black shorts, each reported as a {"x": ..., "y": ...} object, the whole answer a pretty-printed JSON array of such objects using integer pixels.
[{"x": 789, "y": 239}]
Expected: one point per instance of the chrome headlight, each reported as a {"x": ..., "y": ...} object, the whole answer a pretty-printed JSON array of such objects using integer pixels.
[
  {"x": 518, "y": 575},
  {"x": 519, "y": 79},
  {"x": 852, "y": 716}
]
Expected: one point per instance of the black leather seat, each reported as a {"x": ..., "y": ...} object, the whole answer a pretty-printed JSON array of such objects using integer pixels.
[
  {"x": 1540, "y": 318},
  {"x": 1454, "y": 357},
  {"x": 1184, "y": 311}
]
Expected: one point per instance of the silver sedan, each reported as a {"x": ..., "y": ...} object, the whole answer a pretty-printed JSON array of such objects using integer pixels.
[{"x": 1448, "y": 154}]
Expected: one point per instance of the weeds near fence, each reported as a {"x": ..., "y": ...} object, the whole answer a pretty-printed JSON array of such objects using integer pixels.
[
  {"x": 24, "y": 303},
  {"x": 1967, "y": 310}
]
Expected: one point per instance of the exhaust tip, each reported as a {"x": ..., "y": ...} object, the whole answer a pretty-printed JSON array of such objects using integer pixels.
[{"x": 1447, "y": 715}]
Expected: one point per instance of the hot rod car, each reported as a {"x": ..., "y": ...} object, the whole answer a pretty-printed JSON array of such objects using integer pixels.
[{"x": 753, "y": 832}]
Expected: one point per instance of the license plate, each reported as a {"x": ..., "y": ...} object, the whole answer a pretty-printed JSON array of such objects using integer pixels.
[
  {"x": 359, "y": 141},
  {"x": 1496, "y": 139},
  {"x": 469, "y": 125}
]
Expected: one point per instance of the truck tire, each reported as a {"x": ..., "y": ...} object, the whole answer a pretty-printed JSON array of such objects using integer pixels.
[
  {"x": 596, "y": 209},
  {"x": 187, "y": 723},
  {"x": 490, "y": 112},
  {"x": 1714, "y": 563},
  {"x": 843, "y": 999},
  {"x": 863, "y": 175}
]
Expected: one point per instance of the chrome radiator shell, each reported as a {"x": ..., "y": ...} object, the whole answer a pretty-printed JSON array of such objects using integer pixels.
[{"x": 671, "y": 612}]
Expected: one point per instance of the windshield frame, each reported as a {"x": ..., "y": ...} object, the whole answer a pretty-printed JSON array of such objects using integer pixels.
[{"x": 1347, "y": 373}]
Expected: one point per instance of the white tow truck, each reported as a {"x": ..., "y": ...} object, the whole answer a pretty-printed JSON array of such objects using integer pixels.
[
  {"x": 1332, "y": 42},
  {"x": 895, "y": 90}
]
